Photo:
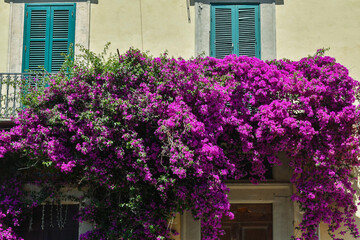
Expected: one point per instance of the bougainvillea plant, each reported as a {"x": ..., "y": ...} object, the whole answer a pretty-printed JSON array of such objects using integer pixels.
[{"x": 145, "y": 138}]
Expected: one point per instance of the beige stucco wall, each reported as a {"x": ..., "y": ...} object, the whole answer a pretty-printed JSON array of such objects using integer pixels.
[
  {"x": 302, "y": 26},
  {"x": 175, "y": 224},
  {"x": 4, "y": 34},
  {"x": 325, "y": 236},
  {"x": 157, "y": 26}
]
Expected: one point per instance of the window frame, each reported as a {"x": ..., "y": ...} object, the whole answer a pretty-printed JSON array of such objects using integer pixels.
[
  {"x": 49, "y": 7},
  {"x": 202, "y": 9},
  {"x": 235, "y": 27}
]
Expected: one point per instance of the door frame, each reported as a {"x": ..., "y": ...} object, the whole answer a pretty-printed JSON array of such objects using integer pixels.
[{"x": 278, "y": 194}]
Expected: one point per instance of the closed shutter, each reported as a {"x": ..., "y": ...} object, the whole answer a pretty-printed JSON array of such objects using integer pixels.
[
  {"x": 62, "y": 35},
  {"x": 235, "y": 29},
  {"x": 49, "y": 32},
  {"x": 35, "y": 42},
  {"x": 222, "y": 39},
  {"x": 249, "y": 31}
]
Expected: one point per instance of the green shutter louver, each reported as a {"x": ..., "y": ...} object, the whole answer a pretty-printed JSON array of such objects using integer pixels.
[
  {"x": 35, "y": 44},
  {"x": 248, "y": 32},
  {"x": 38, "y": 24},
  {"x": 235, "y": 29},
  {"x": 61, "y": 36},
  {"x": 49, "y": 32},
  {"x": 223, "y": 33}
]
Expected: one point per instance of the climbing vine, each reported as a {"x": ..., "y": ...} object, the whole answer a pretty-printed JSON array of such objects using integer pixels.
[{"x": 144, "y": 138}]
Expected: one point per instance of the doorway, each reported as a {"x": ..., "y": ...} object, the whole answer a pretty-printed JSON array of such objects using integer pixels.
[{"x": 251, "y": 222}]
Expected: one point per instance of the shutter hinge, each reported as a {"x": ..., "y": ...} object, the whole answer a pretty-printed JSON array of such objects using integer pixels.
[
  {"x": 27, "y": 14},
  {"x": 72, "y": 13},
  {"x": 25, "y": 48}
]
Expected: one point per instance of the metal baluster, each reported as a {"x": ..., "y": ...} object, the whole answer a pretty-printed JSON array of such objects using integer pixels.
[
  {"x": 7, "y": 96},
  {"x": 14, "y": 103}
]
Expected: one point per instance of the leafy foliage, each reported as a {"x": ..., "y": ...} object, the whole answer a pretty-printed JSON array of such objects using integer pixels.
[{"x": 148, "y": 137}]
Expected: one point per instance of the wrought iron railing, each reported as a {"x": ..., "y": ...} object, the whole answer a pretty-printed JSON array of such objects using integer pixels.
[{"x": 13, "y": 86}]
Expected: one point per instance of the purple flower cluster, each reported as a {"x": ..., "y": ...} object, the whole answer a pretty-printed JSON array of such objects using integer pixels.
[{"x": 149, "y": 137}]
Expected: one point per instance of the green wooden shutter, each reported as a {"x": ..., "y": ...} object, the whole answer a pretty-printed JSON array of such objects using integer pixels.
[
  {"x": 235, "y": 29},
  {"x": 248, "y": 31},
  {"x": 49, "y": 32},
  {"x": 222, "y": 31},
  {"x": 62, "y": 35},
  {"x": 35, "y": 41}
]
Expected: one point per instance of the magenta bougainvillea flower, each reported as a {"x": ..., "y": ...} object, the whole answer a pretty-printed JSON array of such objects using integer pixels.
[{"x": 147, "y": 137}]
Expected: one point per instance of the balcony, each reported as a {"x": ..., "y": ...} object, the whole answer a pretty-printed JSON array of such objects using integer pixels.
[{"x": 13, "y": 86}]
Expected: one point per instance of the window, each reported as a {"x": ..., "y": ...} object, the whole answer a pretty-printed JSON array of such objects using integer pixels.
[
  {"x": 49, "y": 30},
  {"x": 235, "y": 29},
  {"x": 265, "y": 25}
]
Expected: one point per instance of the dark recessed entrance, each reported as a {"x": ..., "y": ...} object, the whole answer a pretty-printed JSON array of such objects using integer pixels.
[
  {"x": 52, "y": 222},
  {"x": 251, "y": 222}
]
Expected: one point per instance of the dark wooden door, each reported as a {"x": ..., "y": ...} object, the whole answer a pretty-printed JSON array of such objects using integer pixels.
[
  {"x": 52, "y": 223},
  {"x": 251, "y": 222}
]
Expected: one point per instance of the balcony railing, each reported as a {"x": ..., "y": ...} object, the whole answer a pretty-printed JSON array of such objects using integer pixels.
[{"x": 14, "y": 86}]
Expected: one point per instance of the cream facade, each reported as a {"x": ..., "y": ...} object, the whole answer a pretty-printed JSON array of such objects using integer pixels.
[
  {"x": 302, "y": 26},
  {"x": 289, "y": 29},
  {"x": 154, "y": 26},
  {"x": 4, "y": 33}
]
